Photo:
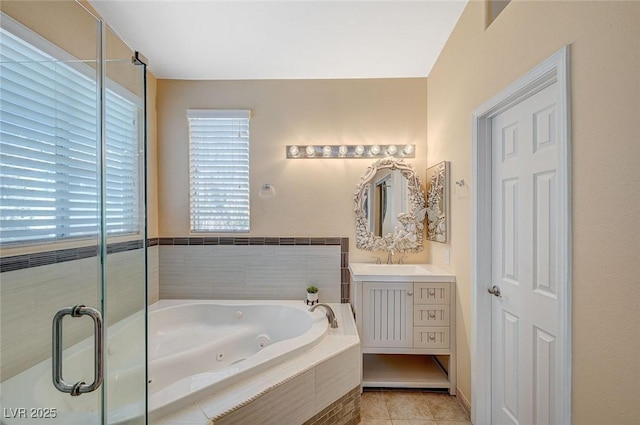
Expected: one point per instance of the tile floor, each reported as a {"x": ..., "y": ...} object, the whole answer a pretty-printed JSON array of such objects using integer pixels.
[{"x": 405, "y": 407}]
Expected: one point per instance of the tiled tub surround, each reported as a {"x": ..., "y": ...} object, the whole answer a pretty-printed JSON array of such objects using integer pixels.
[
  {"x": 344, "y": 411},
  {"x": 29, "y": 286},
  {"x": 253, "y": 268},
  {"x": 296, "y": 391}
]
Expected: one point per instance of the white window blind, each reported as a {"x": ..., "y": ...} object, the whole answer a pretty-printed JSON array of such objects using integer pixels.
[
  {"x": 123, "y": 165},
  {"x": 49, "y": 148},
  {"x": 219, "y": 170}
]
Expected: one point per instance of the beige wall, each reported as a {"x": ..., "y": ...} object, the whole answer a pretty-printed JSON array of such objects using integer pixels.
[
  {"x": 314, "y": 197},
  {"x": 477, "y": 63},
  {"x": 51, "y": 19}
]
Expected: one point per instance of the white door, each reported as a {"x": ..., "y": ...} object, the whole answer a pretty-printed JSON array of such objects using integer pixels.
[{"x": 525, "y": 270}]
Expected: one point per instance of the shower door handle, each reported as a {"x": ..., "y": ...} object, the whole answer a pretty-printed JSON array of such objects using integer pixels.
[{"x": 58, "y": 381}]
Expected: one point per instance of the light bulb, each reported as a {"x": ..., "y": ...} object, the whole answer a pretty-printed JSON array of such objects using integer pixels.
[
  {"x": 375, "y": 150},
  {"x": 392, "y": 149},
  {"x": 294, "y": 151},
  {"x": 408, "y": 150},
  {"x": 359, "y": 150},
  {"x": 311, "y": 151},
  {"x": 326, "y": 151},
  {"x": 342, "y": 150}
]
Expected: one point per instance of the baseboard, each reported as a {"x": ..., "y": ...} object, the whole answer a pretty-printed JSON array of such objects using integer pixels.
[{"x": 463, "y": 401}]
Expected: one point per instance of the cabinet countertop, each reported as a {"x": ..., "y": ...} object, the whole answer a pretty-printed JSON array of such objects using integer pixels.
[{"x": 371, "y": 272}]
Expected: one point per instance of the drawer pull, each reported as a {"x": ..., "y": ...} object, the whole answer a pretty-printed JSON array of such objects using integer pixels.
[
  {"x": 432, "y": 337},
  {"x": 432, "y": 315},
  {"x": 409, "y": 293},
  {"x": 432, "y": 292}
]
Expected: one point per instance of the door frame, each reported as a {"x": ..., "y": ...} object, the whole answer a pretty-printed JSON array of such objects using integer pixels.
[{"x": 555, "y": 69}]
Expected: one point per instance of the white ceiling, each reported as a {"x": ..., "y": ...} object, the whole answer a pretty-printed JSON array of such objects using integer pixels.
[{"x": 299, "y": 39}]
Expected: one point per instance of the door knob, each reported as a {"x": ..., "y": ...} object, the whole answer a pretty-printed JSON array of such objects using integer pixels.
[{"x": 495, "y": 290}]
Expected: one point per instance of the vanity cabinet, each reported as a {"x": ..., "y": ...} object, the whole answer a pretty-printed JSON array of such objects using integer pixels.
[{"x": 407, "y": 328}]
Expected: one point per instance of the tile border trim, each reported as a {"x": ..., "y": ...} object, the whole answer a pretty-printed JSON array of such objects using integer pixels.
[
  {"x": 253, "y": 240},
  {"x": 26, "y": 261}
]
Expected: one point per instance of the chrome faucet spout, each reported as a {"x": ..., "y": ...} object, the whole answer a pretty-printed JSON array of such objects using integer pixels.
[{"x": 331, "y": 316}]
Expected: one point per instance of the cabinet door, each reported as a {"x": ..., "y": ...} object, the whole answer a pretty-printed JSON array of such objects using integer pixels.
[{"x": 387, "y": 317}]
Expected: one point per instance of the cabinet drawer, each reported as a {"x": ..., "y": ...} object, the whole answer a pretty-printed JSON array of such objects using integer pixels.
[
  {"x": 431, "y": 293},
  {"x": 431, "y": 337},
  {"x": 431, "y": 315}
]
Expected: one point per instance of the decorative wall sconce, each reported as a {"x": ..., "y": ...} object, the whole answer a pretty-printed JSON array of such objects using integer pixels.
[
  {"x": 267, "y": 191},
  {"x": 350, "y": 151}
]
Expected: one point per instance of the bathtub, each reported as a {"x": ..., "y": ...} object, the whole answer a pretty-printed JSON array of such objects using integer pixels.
[
  {"x": 195, "y": 348},
  {"x": 199, "y": 347}
]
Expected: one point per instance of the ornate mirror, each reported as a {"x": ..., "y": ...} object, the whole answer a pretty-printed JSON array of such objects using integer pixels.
[{"x": 389, "y": 208}]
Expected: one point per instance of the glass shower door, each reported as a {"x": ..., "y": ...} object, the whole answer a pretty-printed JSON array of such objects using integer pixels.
[
  {"x": 49, "y": 221},
  {"x": 72, "y": 234}
]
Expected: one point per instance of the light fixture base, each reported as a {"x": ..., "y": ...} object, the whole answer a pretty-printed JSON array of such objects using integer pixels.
[{"x": 350, "y": 151}]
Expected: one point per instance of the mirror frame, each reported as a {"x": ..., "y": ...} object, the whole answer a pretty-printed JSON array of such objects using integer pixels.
[{"x": 408, "y": 234}]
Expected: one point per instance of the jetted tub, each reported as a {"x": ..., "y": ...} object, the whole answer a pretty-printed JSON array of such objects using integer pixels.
[{"x": 196, "y": 347}]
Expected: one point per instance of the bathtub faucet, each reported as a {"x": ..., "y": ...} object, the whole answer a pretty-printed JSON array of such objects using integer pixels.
[{"x": 331, "y": 316}]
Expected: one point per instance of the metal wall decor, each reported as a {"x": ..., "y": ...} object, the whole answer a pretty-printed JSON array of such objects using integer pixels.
[{"x": 437, "y": 202}]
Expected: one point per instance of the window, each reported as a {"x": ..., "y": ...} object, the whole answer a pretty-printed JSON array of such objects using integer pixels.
[
  {"x": 219, "y": 170},
  {"x": 49, "y": 178}
]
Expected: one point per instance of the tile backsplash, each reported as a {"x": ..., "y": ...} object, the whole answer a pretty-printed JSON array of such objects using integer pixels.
[{"x": 253, "y": 268}]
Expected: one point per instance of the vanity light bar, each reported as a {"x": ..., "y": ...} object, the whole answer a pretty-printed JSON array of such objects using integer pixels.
[{"x": 350, "y": 151}]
